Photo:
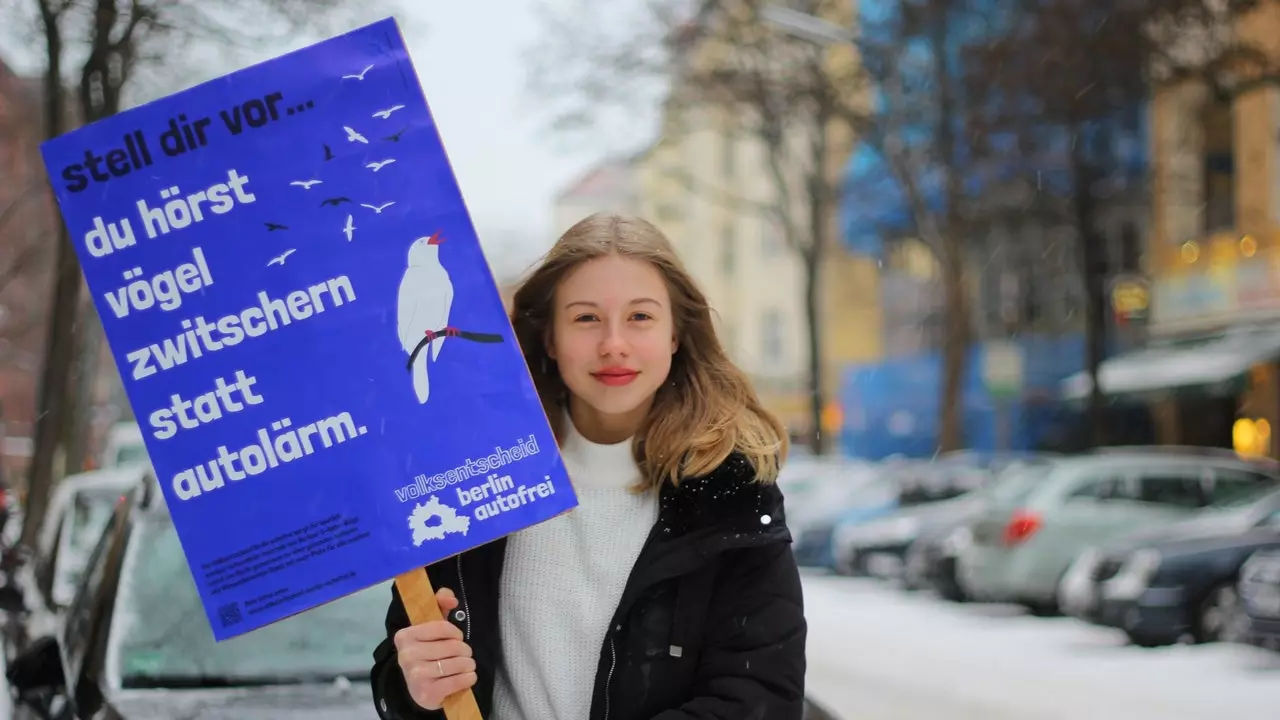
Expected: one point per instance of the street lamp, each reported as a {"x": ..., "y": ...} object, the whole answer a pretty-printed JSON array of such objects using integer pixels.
[{"x": 806, "y": 27}]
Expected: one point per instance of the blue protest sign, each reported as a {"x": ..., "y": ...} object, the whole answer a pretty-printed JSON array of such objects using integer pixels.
[{"x": 308, "y": 332}]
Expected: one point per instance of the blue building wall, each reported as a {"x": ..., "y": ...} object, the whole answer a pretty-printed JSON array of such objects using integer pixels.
[{"x": 891, "y": 407}]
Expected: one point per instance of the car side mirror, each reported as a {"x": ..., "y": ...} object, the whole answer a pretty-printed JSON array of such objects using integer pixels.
[
  {"x": 11, "y": 600},
  {"x": 37, "y": 667}
]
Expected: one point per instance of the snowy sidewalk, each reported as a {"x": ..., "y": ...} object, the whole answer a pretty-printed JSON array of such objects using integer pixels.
[{"x": 876, "y": 652}]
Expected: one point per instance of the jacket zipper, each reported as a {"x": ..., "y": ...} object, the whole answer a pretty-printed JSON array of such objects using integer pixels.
[
  {"x": 466, "y": 611},
  {"x": 613, "y": 661}
]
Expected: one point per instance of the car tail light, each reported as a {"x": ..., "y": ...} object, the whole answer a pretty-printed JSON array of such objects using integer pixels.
[{"x": 1022, "y": 525}]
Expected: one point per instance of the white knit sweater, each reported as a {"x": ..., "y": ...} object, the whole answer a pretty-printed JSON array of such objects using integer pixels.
[{"x": 561, "y": 583}]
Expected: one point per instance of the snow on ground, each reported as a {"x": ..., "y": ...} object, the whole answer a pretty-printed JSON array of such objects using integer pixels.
[{"x": 877, "y": 652}]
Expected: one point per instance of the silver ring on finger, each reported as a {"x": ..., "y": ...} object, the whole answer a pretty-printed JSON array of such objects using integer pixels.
[{"x": 440, "y": 667}]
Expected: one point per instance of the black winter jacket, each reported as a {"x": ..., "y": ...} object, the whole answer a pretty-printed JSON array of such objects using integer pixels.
[{"x": 710, "y": 625}]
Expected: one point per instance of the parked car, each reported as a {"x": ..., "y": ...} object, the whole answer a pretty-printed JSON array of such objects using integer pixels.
[
  {"x": 828, "y": 489},
  {"x": 930, "y": 560},
  {"x": 136, "y": 644},
  {"x": 78, "y": 510},
  {"x": 1161, "y": 584},
  {"x": 879, "y": 497},
  {"x": 123, "y": 446},
  {"x": 1021, "y": 550},
  {"x": 1260, "y": 592}
]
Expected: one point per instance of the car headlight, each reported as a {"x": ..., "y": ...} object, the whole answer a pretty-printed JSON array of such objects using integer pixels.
[{"x": 1134, "y": 576}]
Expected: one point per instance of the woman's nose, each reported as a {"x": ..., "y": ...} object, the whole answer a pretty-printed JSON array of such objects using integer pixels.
[{"x": 614, "y": 342}]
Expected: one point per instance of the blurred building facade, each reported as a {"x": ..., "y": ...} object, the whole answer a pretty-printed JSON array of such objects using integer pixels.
[
  {"x": 1027, "y": 299},
  {"x": 1209, "y": 373}
]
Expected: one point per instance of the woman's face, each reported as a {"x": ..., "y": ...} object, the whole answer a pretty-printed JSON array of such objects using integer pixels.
[{"x": 612, "y": 337}]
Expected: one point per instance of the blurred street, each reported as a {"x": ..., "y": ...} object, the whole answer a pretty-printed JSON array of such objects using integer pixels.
[{"x": 875, "y": 652}]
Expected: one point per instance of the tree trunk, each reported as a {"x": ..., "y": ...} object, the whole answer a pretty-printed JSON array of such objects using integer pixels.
[
  {"x": 87, "y": 347},
  {"x": 1092, "y": 273},
  {"x": 57, "y": 357},
  {"x": 813, "y": 318},
  {"x": 820, "y": 203},
  {"x": 955, "y": 343}
]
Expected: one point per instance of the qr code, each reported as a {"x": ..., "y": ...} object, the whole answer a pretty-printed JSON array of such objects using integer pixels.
[{"x": 230, "y": 615}]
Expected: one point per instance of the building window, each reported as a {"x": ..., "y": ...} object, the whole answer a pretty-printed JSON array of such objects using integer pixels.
[
  {"x": 772, "y": 346},
  {"x": 727, "y": 259}
]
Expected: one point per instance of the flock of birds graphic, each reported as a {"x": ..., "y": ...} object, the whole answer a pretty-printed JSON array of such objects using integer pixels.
[{"x": 355, "y": 137}]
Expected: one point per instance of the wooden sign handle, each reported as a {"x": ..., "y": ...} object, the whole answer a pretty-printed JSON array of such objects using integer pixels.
[{"x": 419, "y": 600}]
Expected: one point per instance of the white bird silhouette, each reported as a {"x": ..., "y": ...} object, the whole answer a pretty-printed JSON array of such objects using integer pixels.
[
  {"x": 425, "y": 299},
  {"x": 305, "y": 184},
  {"x": 358, "y": 77},
  {"x": 385, "y": 114},
  {"x": 377, "y": 209},
  {"x": 349, "y": 228},
  {"x": 353, "y": 136},
  {"x": 379, "y": 164},
  {"x": 279, "y": 259}
]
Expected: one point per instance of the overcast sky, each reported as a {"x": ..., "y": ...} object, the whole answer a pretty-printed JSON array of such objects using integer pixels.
[{"x": 469, "y": 56}]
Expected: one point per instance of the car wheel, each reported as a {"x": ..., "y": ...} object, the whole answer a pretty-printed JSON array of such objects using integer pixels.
[
  {"x": 1221, "y": 616},
  {"x": 947, "y": 582}
]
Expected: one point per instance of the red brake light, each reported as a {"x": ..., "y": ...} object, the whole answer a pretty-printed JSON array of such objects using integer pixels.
[{"x": 1022, "y": 525}]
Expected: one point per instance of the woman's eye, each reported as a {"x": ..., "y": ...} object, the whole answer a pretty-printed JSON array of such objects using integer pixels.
[
  {"x": 641, "y": 316},
  {"x": 584, "y": 318}
]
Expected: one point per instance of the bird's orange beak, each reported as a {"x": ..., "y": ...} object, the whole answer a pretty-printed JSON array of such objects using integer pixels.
[{"x": 435, "y": 238}]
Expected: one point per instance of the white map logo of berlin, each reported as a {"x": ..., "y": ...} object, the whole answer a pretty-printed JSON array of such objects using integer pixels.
[{"x": 450, "y": 521}]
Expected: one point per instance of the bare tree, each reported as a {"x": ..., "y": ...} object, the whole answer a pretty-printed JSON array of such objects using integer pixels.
[
  {"x": 795, "y": 97},
  {"x": 1080, "y": 71},
  {"x": 117, "y": 41}
]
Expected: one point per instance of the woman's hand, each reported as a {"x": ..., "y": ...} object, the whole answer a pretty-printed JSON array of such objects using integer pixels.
[{"x": 435, "y": 660}]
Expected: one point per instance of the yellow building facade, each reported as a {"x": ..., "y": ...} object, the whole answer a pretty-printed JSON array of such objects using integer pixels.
[
  {"x": 705, "y": 182},
  {"x": 1214, "y": 257}
]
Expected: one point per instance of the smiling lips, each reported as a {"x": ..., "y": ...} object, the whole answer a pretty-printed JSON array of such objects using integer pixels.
[{"x": 615, "y": 376}]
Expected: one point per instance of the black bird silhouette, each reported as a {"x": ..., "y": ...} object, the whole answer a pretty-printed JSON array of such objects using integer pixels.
[
  {"x": 396, "y": 137},
  {"x": 335, "y": 201},
  {"x": 328, "y": 154},
  {"x": 275, "y": 226}
]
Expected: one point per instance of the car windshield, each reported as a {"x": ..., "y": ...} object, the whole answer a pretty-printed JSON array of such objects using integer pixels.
[
  {"x": 88, "y": 515},
  {"x": 160, "y": 638}
]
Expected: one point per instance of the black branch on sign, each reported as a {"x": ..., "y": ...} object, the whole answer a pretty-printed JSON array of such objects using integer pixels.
[{"x": 463, "y": 334}]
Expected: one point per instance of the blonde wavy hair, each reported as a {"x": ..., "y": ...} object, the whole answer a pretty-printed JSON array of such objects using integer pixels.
[{"x": 705, "y": 411}]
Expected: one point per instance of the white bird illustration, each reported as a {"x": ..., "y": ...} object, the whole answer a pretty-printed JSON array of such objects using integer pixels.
[
  {"x": 379, "y": 164},
  {"x": 305, "y": 184},
  {"x": 279, "y": 259},
  {"x": 349, "y": 228},
  {"x": 358, "y": 77},
  {"x": 426, "y": 297},
  {"x": 385, "y": 114},
  {"x": 353, "y": 136},
  {"x": 377, "y": 209}
]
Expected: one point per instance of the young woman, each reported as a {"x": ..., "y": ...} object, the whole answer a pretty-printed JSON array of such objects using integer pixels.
[{"x": 670, "y": 592}]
